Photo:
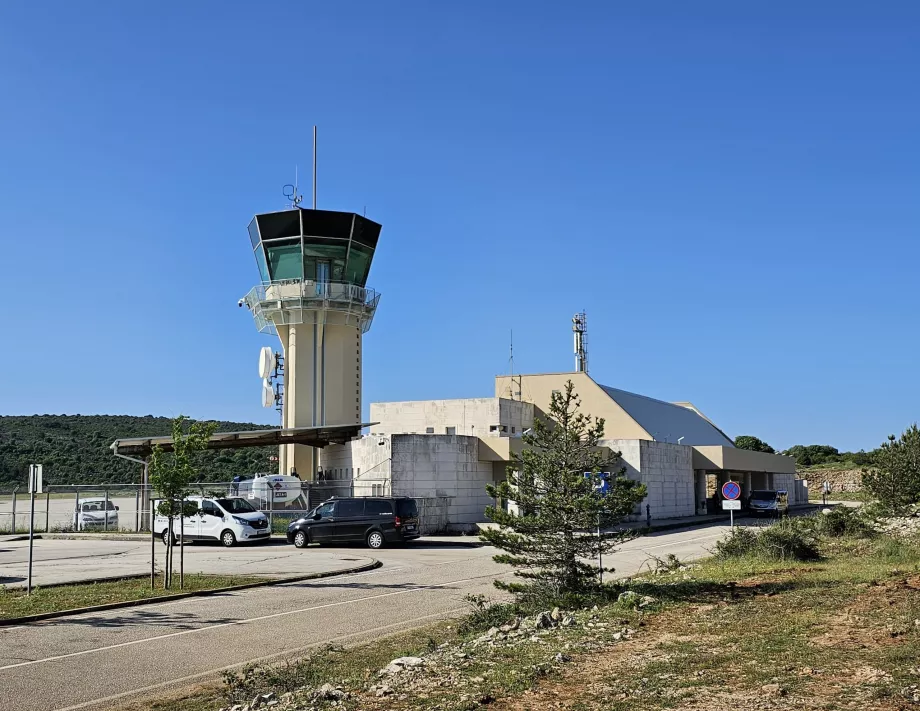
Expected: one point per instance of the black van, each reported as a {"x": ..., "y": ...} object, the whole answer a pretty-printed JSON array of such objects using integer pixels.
[{"x": 371, "y": 520}]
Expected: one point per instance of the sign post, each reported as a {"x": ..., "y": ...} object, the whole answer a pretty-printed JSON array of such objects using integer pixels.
[
  {"x": 602, "y": 488},
  {"x": 35, "y": 487},
  {"x": 731, "y": 492}
]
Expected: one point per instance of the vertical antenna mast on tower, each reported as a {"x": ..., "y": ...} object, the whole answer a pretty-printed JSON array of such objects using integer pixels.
[
  {"x": 580, "y": 329},
  {"x": 314, "y": 166}
]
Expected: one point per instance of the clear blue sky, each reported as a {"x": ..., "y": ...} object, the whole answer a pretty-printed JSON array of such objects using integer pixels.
[{"x": 729, "y": 189}]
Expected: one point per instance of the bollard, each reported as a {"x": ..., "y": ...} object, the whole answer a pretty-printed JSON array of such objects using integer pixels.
[{"x": 648, "y": 515}]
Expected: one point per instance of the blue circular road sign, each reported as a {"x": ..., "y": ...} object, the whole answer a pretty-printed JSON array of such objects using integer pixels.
[{"x": 731, "y": 490}]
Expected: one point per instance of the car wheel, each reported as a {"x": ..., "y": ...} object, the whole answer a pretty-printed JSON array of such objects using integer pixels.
[
  {"x": 375, "y": 539},
  {"x": 165, "y": 538},
  {"x": 228, "y": 539},
  {"x": 300, "y": 540}
]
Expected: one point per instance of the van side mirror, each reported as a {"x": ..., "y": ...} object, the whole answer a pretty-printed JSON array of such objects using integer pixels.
[
  {"x": 316, "y": 517},
  {"x": 116, "y": 508}
]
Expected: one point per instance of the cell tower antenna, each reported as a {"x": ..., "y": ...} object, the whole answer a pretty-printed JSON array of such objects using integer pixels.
[{"x": 580, "y": 329}]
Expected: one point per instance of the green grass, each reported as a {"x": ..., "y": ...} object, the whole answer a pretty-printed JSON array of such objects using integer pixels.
[
  {"x": 732, "y": 632},
  {"x": 836, "y": 466},
  {"x": 15, "y": 603},
  {"x": 815, "y": 497}
]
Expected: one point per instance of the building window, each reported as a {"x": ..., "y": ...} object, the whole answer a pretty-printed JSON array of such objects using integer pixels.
[
  {"x": 429, "y": 430},
  {"x": 512, "y": 430},
  {"x": 450, "y": 430},
  {"x": 498, "y": 428}
]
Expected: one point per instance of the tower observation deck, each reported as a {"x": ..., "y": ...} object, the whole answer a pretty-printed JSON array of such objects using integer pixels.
[{"x": 313, "y": 294}]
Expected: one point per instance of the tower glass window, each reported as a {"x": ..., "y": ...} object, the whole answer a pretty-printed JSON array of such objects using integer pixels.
[
  {"x": 284, "y": 260},
  {"x": 292, "y": 243}
]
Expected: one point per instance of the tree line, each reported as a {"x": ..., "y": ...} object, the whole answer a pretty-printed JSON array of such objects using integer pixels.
[
  {"x": 808, "y": 455},
  {"x": 74, "y": 449}
]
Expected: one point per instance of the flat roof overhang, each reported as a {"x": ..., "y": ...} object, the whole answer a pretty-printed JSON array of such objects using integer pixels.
[
  {"x": 719, "y": 458},
  {"x": 307, "y": 436}
]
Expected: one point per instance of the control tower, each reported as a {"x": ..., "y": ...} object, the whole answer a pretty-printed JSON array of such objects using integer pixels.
[{"x": 313, "y": 266}]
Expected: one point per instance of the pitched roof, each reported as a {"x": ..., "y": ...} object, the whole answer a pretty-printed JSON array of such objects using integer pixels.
[{"x": 667, "y": 421}]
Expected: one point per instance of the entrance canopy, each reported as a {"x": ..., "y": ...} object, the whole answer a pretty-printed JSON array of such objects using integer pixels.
[{"x": 308, "y": 436}]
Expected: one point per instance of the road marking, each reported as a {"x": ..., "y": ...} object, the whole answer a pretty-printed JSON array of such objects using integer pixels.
[
  {"x": 260, "y": 660},
  {"x": 238, "y": 622}
]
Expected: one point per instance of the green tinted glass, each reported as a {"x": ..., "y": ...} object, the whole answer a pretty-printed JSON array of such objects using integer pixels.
[
  {"x": 284, "y": 261},
  {"x": 359, "y": 263},
  {"x": 260, "y": 262}
]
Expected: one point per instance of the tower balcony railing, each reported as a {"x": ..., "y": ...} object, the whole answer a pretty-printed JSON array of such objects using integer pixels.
[{"x": 296, "y": 301}]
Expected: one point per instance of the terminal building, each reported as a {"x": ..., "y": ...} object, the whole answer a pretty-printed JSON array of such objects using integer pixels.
[
  {"x": 312, "y": 296},
  {"x": 444, "y": 452}
]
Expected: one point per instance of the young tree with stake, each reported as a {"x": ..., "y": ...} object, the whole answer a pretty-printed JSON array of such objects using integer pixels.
[
  {"x": 171, "y": 473},
  {"x": 550, "y": 537}
]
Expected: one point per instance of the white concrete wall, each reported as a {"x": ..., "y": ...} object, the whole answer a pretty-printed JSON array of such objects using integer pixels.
[
  {"x": 473, "y": 416},
  {"x": 443, "y": 466},
  {"x": 365, "y": 462},
  {"x": 666, "y": 469},
  {"x": 787, "y": 482}
]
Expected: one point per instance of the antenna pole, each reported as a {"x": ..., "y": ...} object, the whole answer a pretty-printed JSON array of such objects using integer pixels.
[{"x": 314, "y": 166}]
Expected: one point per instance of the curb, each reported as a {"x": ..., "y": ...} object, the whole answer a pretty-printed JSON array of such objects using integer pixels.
[{"x": 374, "y": 564}]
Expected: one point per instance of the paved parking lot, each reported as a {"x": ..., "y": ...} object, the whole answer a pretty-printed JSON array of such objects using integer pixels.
[{"x": 58, "y": 561}]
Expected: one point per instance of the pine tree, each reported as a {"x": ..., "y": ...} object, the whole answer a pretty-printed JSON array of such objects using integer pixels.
[{"x": 551, "y": 536}]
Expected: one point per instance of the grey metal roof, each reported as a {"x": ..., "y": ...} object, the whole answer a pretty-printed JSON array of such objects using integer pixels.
[{"x": 665, "y": 421}]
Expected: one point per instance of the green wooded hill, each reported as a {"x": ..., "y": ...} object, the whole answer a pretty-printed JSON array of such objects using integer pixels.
[{"x": 74, "y": 449}]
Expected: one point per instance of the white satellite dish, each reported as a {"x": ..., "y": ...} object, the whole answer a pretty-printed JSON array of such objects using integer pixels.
[
  {"x": 266, "y": 362},
  {"x": 268, "y": 394}
]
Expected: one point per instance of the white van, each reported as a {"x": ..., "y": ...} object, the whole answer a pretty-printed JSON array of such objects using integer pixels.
[{"x": 229, "y": 520}]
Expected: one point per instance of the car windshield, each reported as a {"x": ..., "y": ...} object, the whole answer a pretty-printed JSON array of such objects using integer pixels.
[
  {"x": 235, "y": 505},
  {"x": 763, "y": 496},
  {"x": 98, "y": 506}
]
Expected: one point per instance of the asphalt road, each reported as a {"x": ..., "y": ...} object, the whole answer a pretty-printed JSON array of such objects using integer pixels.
[
  {"x": 59, "y": 561},
  {"x": 91, "y": 660}
]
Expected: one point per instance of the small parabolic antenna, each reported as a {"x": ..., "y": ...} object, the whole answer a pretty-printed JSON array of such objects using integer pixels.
[
  {"x": 266, "y": 362},
  {"x": 268, "y": 394}
]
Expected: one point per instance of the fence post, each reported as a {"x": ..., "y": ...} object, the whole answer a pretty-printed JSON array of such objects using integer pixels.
[
  {"x": 137, "y": 510},
  {"x": 48, "y": 510},
  {"x": 76, "y": 510},
  {"x": 105, "y": 521},
  {"x": 271, "y": 508},
  {"x": 13, "y": 523}
]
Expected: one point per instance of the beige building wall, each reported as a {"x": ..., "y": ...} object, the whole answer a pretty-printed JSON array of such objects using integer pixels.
[
  {"x": 322, "y": 384},
  {"x": 538, "y": 389},
  {"x": 477, "y": 417}
]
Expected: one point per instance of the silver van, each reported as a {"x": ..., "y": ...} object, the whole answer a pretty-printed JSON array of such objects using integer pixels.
[{"x": 769, "y": 502}]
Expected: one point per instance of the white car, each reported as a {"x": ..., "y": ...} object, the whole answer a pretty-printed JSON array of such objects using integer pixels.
[
  {"x": 230, "y": 520},
  {"x": 91, "y": 515}
]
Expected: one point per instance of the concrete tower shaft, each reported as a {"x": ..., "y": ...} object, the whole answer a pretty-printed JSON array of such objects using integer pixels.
[{"x": 314, "y": 266}]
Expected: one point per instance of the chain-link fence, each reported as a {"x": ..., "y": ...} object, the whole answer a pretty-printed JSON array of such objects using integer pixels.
[{"x": 126, "y": 507}]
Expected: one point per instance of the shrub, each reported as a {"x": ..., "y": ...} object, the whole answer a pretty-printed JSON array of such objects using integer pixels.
[
  {"x": 788, "y": 540},
  {"x": 842, "y": 521},
  {"x": 486, "y": 614},
  {"x": 739, "y": 542}
]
